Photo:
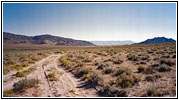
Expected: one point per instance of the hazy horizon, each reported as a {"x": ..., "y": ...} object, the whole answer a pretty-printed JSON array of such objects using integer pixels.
[{"x": 92, "y": 21}]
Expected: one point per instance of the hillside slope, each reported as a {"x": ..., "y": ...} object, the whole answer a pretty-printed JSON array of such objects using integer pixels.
[{"x": 43, "y": 39}]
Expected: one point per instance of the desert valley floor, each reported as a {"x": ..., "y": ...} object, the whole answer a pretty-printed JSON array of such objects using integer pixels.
[{"x": 109, "y": 71}]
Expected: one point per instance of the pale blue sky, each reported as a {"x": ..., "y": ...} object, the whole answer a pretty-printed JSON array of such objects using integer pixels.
[{"x": 92, "y": 21}]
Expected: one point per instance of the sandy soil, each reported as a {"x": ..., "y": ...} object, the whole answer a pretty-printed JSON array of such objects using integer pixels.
[{"x": 66, "y": 86}]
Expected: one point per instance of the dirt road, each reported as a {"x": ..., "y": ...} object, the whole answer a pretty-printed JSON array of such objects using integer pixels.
[{"x": 66, "y": 86}]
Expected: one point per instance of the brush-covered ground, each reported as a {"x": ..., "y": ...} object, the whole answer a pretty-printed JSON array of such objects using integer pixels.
[{"x": 109, "y": 71}]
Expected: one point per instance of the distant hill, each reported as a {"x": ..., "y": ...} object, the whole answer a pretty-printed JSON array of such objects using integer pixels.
[
  {"x": 157, "y": 40},
  {"x": 104, "y": 43},
  {"x": 43, "y": 39}
]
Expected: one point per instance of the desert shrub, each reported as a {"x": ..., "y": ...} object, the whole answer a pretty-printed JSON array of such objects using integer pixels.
[
  {"x": 144, "y": 58},
  {"x": 64, "y": 62},
  {"x": 31, "y": 62},
  {"x": 11, "y": 62},
  {"x": 87, "y": 76},
  {"x": 35, "y": 59},
  {"x": 7, "y": 69},
  {"x": 31, "y": 69},
  {"x": 152, "y": 78},
  {"x": 164, "y": 56},
  {"x": 97, "y": 63},
  {"x": 156, "y": 59},
  {"x": 70, "y": 55},
  {"x": 155, "y": 64},
  {"x": 25, "y": 65},
  {"x": 164, "y": 68},
  {"x": 24, "y": 83},
  {"x": 79, "y": 64},
  {"x": 80, "y": 56},
  {"x": 96, "y": 78},
  {"x": 39, "y": 53},
  {"x": 109, "y": 70},
  {"x": 108, "y": 60},
  {"x": 103, "y": 65},
  {"x": 150, "y": 51},
  {"x": 117, "y": 61},
  {"x": 167, "y": 62},
  {"x": 86, "y": 59},
  {"x": 125, "y": 80},
  {"x": 174, "y": 56},
  {"x": 111, "y": 91},
  {"x": 141, "y": 62},
  {"x": 140, "y": 68},
  {"x": 132, "y": 57},
  {"x": 149, "y": 70},
  {"x": 112, "y": 82},
  {"x": 17, "y": 67},
  {"x": 82, "y": 71},
  {"x": 151, "y": 91},
  {"x": 20, "y": 74},
  {"x": 70, "y": 69},
  {"x": 121, "y": 70}
]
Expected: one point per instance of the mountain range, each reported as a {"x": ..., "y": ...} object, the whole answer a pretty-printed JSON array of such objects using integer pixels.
[
  {"x": 157, "y": 40},
  {"x": 43, "y": 39},
  {"x": 11, "y": 38}
]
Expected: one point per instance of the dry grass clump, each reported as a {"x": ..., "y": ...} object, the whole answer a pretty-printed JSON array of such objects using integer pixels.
[
  {"x": 52, "y": 77},
  {"x": 8, "y": 93},
  {"x": 27, "y": 71},
  {"x": 24, "y": 72},
  {"x": 25, "y": 65},
  {"x": 19, "y": 74}
]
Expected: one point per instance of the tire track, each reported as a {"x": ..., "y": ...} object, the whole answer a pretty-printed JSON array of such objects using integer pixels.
[{"x": 66, "y": 86}]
